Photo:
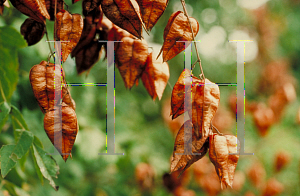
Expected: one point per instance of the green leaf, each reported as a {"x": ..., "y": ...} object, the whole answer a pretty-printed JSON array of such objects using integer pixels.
[
  {"x": 5, "y": 86},
  {"x": 17, "y": 119},
  {"x": 13, "y": 189},
  {"x": 47, "y": 165},
  {"x": 38, "y": 142},
  {"x": 8, "y": 72},
  {"x": 37, "y": 169},
  {"x": 11, "y": 153},
  {"x": 4, "y": 111},
  {"x": 8, "y": 161},
  {"x": 11, "y": 38}
]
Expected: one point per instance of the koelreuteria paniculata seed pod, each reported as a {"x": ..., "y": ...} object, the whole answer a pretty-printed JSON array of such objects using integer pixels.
[
  {"x": 42, "y": 81},
  {"x": 69, "y": 129},
  {"x": 41, "y": 78}
]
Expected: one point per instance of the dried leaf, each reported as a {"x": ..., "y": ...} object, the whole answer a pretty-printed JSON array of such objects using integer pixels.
[
  {"x": 225, "y": 163},
  {"x": 88, "y": 56},
  {"x": 68, "y": 28},
  {"x": 131, "y": 57},
  {"x": 155, "y": 77},
  {"x": 41, "y": 78},
  {"x": 151, "y": 11},
  {"x": 50, "y": 5},
  {"x": 177, "y": 29},
  {"x": 32, "y": 31},
  {"x": 35, "y": 9},
  {"x": 69, "y": 129},
  {"x": 178, "y": 93},
  {"x": 125, "y": 14},
  {"x": 179, "y": 162}
]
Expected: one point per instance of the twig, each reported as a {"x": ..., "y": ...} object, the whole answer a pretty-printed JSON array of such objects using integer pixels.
[
  {"x": 48, "y": 40},
  {"x": 55, "y": 7},
  {"x": 198, "y": 57}
]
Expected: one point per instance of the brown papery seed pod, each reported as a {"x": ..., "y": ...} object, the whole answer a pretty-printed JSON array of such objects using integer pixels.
[
  {"x": 41, "y": 78},
  {"x": 32, "y": 31},
  {"x": 69, "y": 130}
]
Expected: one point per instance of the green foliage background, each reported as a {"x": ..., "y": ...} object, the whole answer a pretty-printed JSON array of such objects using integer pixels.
[{"x": 139, "y": 130}]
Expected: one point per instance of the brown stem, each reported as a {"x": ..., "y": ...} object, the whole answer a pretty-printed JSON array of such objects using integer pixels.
[
  {"x": 198, "y": 57},
  {"x": 48, "y": 40},
  {"x": 55, "y": 7}
]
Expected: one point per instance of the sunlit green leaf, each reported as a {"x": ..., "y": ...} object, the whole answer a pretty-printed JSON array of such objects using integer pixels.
[
  {"x": 46, "y": 164},
  {"x": 11, "y": 153}
]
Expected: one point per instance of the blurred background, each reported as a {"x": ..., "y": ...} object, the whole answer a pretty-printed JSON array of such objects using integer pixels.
[{"x": 145, "y": 133}]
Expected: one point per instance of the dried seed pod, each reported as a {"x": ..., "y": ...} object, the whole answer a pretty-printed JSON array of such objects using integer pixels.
[
  {"x": 205, "y": 103},
  {"x": 225, "y": 163},
  {"x": 32, "y": 31},
  {"x": 144, "y": 175},
  {"x": 263, "y": 118},
  {"x": 281, "y": 160},
  {"x": 177, "y": 29},
  {"x": 151, "y": 11},
  {"x": 155, "y": 77},
  {"x": 181, "y": 191},
  {"x": 68, "y": 28},
  {"x": 41, "y": 78},
  {"x": 181, "y": 161},
  {"x": 273, "y": 188},
  {"x": 257, "y": 174},
  {"x": 238, "y": 181},
  {"x": 173, "y": 180},
  {"x": 35, "y": 9},
  {"x": 125, "y": 14},
  {"x": 88, "y": 56},
  {"x": 89, "y": 5},
  {"x": 131, "y": 57},
  {"x": 68, "y": 130},
  {"x": 178, "y": 93},
  {"x": 87, "y": 36},
  {"x": 50, "y": 5}
]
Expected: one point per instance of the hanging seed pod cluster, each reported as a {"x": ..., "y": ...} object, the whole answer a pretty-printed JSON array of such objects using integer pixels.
[{"x": 42, "y": 82}]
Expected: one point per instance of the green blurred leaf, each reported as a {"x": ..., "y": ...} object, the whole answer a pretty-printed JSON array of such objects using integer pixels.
[
  {"x": 47, "y": 165},
  {"x": 11, "y": 153},
  {"x": 17, "y": 119},
  {"x": 4, "y": 111},
  {"x": 13, "y": 189},
  {"x": 5, "y": 87},
  {"x": 8, "y": 71},
  {"x": 11, "y": 38}
]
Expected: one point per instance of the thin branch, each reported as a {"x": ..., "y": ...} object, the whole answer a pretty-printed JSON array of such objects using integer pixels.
[
  {"x": 198, "y": 57},
  {"x": 48, "y": 40},
  {"x": 55, "y": 7}
]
